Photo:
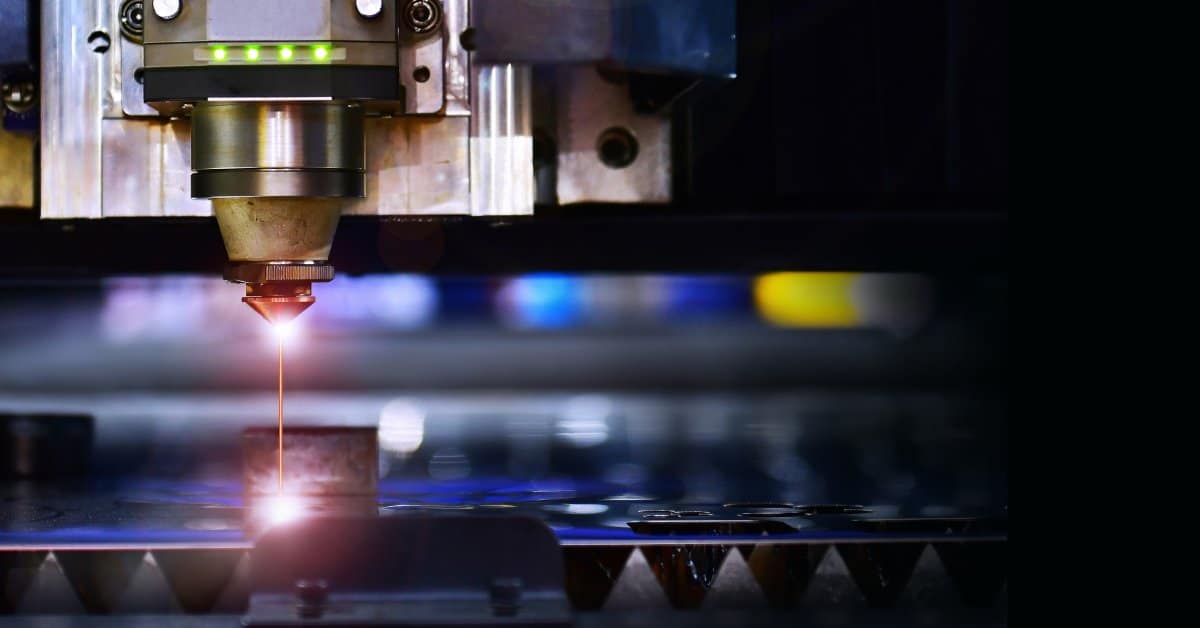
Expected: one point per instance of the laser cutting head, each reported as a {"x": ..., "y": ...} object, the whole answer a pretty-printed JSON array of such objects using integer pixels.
[{"x": 277, "y": 102}]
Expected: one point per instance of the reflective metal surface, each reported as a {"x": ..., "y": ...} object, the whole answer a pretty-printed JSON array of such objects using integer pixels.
[
  {"x": 277, "y": 149},
  {"x": 416, "y": 166},
  {"x": 502, "y": 181},
  {"x": 72, "y": 83}
]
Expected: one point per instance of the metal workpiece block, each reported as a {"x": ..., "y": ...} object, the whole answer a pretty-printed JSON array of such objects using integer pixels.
[{"x": 325, "y": 461}]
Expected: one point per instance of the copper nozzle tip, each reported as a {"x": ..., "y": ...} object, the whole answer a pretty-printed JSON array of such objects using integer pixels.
[{"x": 278, "y": 310}]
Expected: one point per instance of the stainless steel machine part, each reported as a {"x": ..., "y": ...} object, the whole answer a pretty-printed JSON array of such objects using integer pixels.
[
  {"x": 121, "y": 162},
  {"x": 277, "y": 149},
  {"x": 501, "y": 140}
]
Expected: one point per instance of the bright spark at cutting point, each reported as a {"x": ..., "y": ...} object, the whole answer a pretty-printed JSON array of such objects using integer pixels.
[
  {"x": 282, "y": 509},
  {"x": 285, "y": 331}
]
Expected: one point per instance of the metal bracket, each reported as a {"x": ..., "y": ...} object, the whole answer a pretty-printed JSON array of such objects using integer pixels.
[
  {"x": 408, "y": 570},
  {"x": 422, "y": 60}
]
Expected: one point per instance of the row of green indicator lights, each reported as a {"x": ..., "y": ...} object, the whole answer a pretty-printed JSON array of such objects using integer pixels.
[{"x": 283, "y": 53}]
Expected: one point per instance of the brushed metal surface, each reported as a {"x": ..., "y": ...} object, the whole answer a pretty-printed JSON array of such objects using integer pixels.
[
  {"x": 502, "y": 181},
  {"x": 277, "y": 149},
  {"x": 73, "y": 82},
  {"x": 228, "y": 135}
]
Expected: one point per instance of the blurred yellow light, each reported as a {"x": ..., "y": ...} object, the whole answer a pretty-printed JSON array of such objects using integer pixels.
[
  {"x": 252, "y": 54},
  {"x": 218, "y": 54},
  {"x": 320, "y": 53},
  {"x": 807, "y": 299},
  {"x": 285, "y": 53}
]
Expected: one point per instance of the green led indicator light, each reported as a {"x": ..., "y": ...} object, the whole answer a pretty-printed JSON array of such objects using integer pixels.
[
  {"x": 320, "y": 53},
  {"x": 218, "y": 54},
  {"x": 285, "y": 53},
  {"x": 251, "y": 53}
]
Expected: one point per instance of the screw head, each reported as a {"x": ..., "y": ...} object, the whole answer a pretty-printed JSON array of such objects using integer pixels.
[
  {"x": 422, "y": 16},
  {"x": 167, "y": 9},
  {"x": 369, "y": 8},
  {"x": 18, "y": 97}
]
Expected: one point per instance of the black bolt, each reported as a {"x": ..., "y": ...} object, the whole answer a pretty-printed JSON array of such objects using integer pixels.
[
  {"x": 467, "y": 39},
  {"x": 312, "y": 595},
  {"x": 616, "y": 147},
  {"x": 19, "y": 96},
  {"x": 505, "y": 596}
]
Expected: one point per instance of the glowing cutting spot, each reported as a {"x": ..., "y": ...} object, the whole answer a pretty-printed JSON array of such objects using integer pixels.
[
  {"x": 218, "y": 54},
  {"x": 282, "y": 509},
  {"x": 285, "y": 53},
  {"x": 320, "y": 53},
  {"x": 285, "y": 331},
  {"x": 251, "y": 53}
]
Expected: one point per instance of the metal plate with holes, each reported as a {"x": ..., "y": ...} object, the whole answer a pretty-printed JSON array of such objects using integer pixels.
[{"x": 593, "y": 114}]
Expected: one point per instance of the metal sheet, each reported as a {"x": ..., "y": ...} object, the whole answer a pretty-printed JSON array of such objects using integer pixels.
[
  {"x": 588, "y": 105},
  {"x": 73, "y": 79}
]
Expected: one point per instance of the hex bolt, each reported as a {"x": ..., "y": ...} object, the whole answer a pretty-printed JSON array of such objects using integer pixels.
[
  {"x": 505, "y": 596},
  {"x": 167, "y": 9},
  {"x": 312, "y": 595},
  {"x": 422, "y": 16},
  {"x": 369, "y": 9}
]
